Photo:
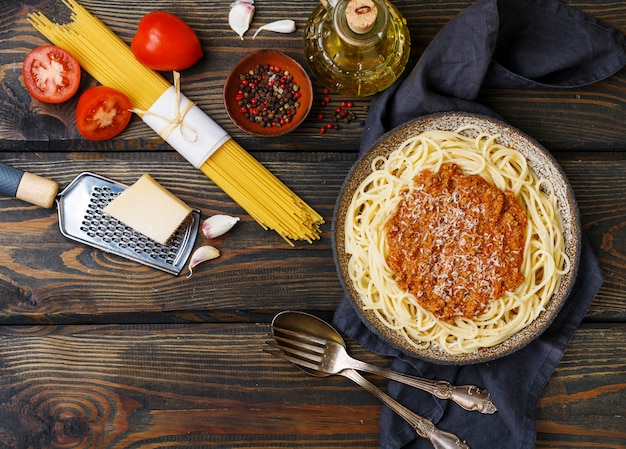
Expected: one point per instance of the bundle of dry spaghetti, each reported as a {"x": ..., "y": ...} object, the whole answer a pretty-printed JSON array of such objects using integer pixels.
[{"x": 107, "y": 58}]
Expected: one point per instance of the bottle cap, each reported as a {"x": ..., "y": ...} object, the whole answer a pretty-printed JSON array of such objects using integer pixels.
[{"x": 361, "y": 15}]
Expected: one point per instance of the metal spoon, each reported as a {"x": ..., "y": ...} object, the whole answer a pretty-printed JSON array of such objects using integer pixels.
[
  {"x": 422, "y": 426},
  {"x": 329, "y": 350}
]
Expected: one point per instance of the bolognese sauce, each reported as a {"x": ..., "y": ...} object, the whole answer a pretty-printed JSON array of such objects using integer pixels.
[{"x": 456, "y": 242}]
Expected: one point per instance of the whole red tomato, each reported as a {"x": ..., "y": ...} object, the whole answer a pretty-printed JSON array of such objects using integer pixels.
[
  {"x": 51, "y": 74},
  {"x": 102, "y": 112},
  {"x": 165, "y": 42}
]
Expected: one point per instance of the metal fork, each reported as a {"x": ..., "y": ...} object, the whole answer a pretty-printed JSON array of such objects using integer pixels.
[
  {"x": 329, "y": 357},
  {"x": 422, "y": 426}
]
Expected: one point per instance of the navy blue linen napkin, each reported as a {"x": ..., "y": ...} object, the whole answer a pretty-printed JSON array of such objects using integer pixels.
[{"x": 506, "y": 43}]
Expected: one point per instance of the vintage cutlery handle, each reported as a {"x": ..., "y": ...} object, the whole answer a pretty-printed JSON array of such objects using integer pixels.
[
  {"x": 470, "y": 397},
  {"x": 424, "y": 427},
  {"x": 27, "y": 186}
]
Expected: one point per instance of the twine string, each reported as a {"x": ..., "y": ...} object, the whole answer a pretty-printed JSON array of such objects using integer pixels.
[{"x": 178, "y": 121}]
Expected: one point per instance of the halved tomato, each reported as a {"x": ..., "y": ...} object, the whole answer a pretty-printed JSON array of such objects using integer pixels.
[
  {"x": 51, "y": 74},
  {"x": 102, "y": 112}
]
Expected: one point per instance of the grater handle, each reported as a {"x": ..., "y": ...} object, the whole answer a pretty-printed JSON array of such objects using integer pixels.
[{"x": 27, "y": 186}]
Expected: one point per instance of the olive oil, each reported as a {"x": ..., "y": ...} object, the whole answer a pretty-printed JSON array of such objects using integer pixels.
[{"x": 357, "y": 47}]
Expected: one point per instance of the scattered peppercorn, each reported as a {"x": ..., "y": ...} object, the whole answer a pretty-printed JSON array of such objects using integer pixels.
[
  {"x": 340, "y": 114},
  {"x": 268, "y": 96}
]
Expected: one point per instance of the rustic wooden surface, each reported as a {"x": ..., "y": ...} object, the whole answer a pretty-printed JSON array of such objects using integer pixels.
[{"x": 99, "y": 352}]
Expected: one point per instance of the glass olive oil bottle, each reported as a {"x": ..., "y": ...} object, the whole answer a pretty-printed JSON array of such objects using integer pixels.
[{"x": 356, "y": 47}]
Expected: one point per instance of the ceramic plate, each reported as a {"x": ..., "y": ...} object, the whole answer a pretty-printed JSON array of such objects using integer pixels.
[{"x": 544, "y": 165}]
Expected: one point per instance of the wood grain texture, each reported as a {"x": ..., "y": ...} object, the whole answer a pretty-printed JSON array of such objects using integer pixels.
[
  {"x": 100, "y": 352},
  {"x": 32, "y": 126},
  {"x": 173, "y": 386},
  {"x": 156, "y": 386},
  {"x": 67, "y": 282}
]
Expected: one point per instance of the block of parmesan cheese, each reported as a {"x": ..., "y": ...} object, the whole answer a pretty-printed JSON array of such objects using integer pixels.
[{"x": 150, "y": 209}]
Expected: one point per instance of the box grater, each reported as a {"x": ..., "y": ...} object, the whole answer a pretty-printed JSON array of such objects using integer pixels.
[{"x": 81, "y": 218}]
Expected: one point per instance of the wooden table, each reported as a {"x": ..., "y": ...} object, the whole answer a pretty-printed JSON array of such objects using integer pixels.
[{"x": 97, "y": 351}]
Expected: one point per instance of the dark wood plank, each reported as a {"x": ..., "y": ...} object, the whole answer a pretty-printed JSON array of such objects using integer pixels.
[
  {"x": 600, "y": 198},
  {"x": 67, "y": 281},
  {"x": 114, "y": 354},
  {"x": 47, "y": 277},
  {"x": 139, "y": 386},
  {"x": 238, "y": 280},
  {"x": 583, "y": 403},
  {"x": 589, "y": 118},
  {"x": 121, "y": 386}
]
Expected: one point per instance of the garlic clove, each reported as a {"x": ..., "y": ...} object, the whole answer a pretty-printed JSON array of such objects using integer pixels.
[
  {"x": 279, "y": 26},
  {"x": 217, "y": 225},
  {"x": 202, "y": 254},
  {"x": 240, "y": 16}
]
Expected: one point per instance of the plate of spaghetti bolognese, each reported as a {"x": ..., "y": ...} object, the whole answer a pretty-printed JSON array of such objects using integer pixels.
[{"x": 457, "y": 237}]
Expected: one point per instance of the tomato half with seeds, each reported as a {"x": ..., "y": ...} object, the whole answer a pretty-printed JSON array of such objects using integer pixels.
[
  {"x": 102, "y": 113},
  {"x": 51, "y": 74},
  {"x": 165, "y": 42}
]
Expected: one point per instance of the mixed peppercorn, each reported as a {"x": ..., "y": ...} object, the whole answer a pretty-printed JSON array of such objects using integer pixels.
[
  {"x": 341, "y": 114},
  {"x": 268, "y": 96}
]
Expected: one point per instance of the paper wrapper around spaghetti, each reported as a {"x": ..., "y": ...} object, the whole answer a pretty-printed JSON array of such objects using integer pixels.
[
  {"x": 195, "y": 136},
  {"x": 183, "y": 125}
]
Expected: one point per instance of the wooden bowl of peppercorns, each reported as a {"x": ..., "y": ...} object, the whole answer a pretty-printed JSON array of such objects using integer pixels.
[{"x": 268, "y": 93}]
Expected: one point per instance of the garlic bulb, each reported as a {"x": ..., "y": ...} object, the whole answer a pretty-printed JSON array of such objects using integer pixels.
[
  {"x": 240, "y": 16},
  {"x": 202, "y": 254},
  {"x": 217, "y": 225},
  {"x": 279, "y": 26}
]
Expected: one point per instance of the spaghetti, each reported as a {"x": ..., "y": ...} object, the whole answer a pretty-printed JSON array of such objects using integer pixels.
[
  {"x": 376, "y": 200},
  {"x": 107, "y": 58}
]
